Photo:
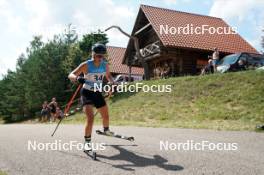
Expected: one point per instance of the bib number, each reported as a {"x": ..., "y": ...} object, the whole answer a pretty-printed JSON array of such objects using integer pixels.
[{"x": 98, "y": 77}]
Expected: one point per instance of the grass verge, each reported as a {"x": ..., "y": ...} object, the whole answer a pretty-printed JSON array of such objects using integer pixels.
[
  {"x": 232, "y": 101},
  {"x": 2, "y": 173}
]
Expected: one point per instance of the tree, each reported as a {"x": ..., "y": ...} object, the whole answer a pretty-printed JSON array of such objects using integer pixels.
[
  {"x": 89, "y": 40},
  {"x": 42, "y": 74},
  {"x": 35, "y": 44},
  {"x": 20, "y": 61},
  {"x": 10, "y": 97},
  {"x": 263, "y": 41},
  {"x": 70, "y": 34}
]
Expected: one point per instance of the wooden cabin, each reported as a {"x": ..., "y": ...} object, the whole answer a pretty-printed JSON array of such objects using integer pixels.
[
  {"x": 115, "y": 56},
  {"x": 179, "y": 54}
]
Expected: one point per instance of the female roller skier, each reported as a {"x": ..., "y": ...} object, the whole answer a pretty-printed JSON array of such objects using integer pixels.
[{"x": 94, "y": 71}]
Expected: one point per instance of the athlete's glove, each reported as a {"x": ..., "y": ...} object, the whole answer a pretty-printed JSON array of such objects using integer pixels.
[{"x": 81, "y": 79}]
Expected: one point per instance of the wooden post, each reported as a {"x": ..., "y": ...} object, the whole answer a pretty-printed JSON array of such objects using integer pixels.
[
  {"x": 129, "y": 75},
  {"x": 146, "y": 70}
]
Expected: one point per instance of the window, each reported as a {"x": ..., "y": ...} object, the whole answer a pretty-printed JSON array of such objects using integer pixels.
[
  {"x": 244, "y": 58},
  {"x": 229, "y": 59},
  {"x": 256, "y": 61}
]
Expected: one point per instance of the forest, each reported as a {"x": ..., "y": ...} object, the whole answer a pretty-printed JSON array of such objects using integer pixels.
[{"x": 41, "y": 73}]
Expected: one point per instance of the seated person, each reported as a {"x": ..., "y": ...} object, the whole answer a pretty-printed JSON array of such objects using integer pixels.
[
  {"x": 209, "y": 68},
  {"x": 241, "y": 65},
  {"x": 59, "y": 114}
]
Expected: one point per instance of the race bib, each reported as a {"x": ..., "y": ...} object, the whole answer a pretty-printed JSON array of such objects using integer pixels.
[{"x": 95, "y": 77}]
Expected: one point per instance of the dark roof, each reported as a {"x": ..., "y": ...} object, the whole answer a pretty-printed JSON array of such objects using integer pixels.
[
  {"x": 230, "y": 43},
  {"x": 115, "y": 56}
]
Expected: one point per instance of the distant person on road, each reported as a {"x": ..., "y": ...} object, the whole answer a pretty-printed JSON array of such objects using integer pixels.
[
  {"x": 45, "y": 112},
  {"x": 215, "y": 58},
  {"x": 53, "y": 106}
]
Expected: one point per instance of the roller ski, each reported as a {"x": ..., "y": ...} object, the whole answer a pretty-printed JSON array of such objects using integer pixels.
[
  {"x": 112, "y": 134},
  {"x": 88, "y": 149},
  {"x": 90, "y": 153}
]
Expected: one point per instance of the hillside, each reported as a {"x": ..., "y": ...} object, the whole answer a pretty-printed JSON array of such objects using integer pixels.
[{"x": 232, "y": 101}]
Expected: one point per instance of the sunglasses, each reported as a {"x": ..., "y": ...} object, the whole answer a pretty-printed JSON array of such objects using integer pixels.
[{"x": 98, "y": 56}]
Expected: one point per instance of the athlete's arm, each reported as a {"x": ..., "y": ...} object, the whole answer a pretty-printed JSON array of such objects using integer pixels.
[
  {"x": 108, "y": 74},
  {"x": 82, "y": 68}
]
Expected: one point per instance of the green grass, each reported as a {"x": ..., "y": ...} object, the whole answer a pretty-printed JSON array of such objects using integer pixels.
[
  {"x": 231, "y": 101},
  {"x": 2, "y": 173}
]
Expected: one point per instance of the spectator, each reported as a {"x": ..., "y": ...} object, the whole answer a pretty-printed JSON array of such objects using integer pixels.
[
  {"x": 215, "y": 57},
  {"x": 241, "y": 65},
  {"x": 208, "y": 68},
  {"x": 157, "y": 72},
  {"x": 53, "y": 106},
  {"x": 165, "y": 71},
  {"x": 59, "y": 113},
  {"x": 45, "y": 112}
]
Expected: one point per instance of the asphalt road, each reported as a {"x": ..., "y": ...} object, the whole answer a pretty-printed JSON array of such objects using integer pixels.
[{"x": 143, "y": 156}]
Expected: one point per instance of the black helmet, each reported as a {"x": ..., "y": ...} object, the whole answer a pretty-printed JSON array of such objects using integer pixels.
[{"x": 99, "y": 48}]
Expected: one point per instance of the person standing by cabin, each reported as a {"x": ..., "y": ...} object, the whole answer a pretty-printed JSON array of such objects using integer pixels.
[
  {"x": 215, "y": 58},
  {"x": 208, "y": 69}
]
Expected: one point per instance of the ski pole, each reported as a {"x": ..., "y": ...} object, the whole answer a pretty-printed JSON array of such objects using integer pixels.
[
  {"x": 66, "y": 110},
  {"x": 69, "y": 105}
]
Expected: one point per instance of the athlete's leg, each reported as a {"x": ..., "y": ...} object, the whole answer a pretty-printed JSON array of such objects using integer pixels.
[
  {"x": 105, "y": 115},
  {"x": 88, "y": 109}
]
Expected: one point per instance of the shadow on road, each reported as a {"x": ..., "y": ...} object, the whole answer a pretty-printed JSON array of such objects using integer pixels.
[
  {"x": 136, "y": 160},
  {"x": 133, "y": 158}
]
